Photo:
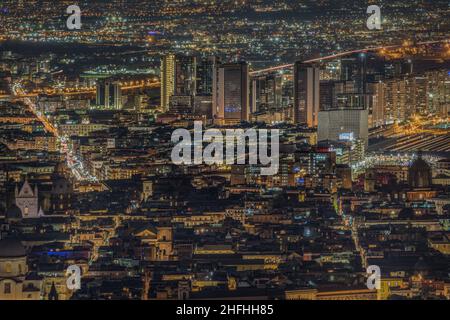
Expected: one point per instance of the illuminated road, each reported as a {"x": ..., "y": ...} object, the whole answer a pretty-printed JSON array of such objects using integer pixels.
[
  {"x": 81, "y": 91},
  {"x": 73, "y": 163},
  {"x": 18, "y": 92},
  {"x": 337, "y": 55}
]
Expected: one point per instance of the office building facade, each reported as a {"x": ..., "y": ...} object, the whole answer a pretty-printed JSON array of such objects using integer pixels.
[{"x": 306, "y": 94}]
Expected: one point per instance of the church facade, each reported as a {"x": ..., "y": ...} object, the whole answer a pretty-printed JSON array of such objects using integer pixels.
[
  {"x": 27, "y": 200},
  {"x": 16, "y": 283}
]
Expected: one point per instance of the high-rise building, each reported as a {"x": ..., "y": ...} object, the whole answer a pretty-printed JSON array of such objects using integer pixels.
[
  {"x": 343, "y": 124},
  {"x": 354, "y": 68},
  {"x": 354, "y": 71},
  {"x": 101, "y": 93},
  {"x": 438, "y": 93},
  {"x": 109, "y": 94},
  {"x": 185, "y": 75},
  {"x": 181, "y": 104},
  {"x": 405, "y": 97},
  {"x": 266, "y": 92},
  {"x": 204, "y": 75},
  {"x": 203, "y": 106},
  {"x": 346, "y": 96},
  {"x": 306, "y": 93},
  {"x": 167, "y": 79},
  {"x": 419, "y": 94},
  {"x": 327, "y": 95},
  {"x": 351, "y": 99},
  {"x": 230, "y": 94},
  {"x": 376, "y": 106},
  {"x": 203, "y": 100}
]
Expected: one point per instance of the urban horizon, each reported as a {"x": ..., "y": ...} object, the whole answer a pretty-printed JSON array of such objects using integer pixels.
[{"x": 225, "y": 150}]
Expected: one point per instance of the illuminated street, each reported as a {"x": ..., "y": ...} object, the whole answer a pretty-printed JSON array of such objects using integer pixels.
[{"x": 225, "y": 158}]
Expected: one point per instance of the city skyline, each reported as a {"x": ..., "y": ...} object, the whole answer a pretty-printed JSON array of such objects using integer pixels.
[{"x": 224, "y": 150}]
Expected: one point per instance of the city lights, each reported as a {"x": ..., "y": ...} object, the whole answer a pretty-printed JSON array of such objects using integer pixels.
[{"x": 135, "y": 161}]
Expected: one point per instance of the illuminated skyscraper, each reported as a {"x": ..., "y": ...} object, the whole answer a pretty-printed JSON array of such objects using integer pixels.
[
  {"x": 341, "y": 117},
  {"x": 184, "y": 75},
  {"x": 178, "y": 78},
  {"x": 109, "y": 94},
  {"x": 206, "y": 67},
  {"x": 377, "y": 110},
  {"x": 230, "y": 97},
  {"x": 167, "y": 79},
  {"x": 354, "y": 70},
  {"x": 204, "y": 75},
  {"x": 266, "y": 92},
  {"x": 438, "y": 94},
  {"x": 348, "y": 117},
  {"x": 306, "y": 94},
  {"x": 327, "y": 95}
]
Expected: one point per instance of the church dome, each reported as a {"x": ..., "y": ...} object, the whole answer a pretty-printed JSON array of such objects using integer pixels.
[
  {"x": 11, "y": 248},
  {"x": 13, "y": 213},
  {"x": 420, "y": 165},
  {"x": 420, "y": 174}
]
